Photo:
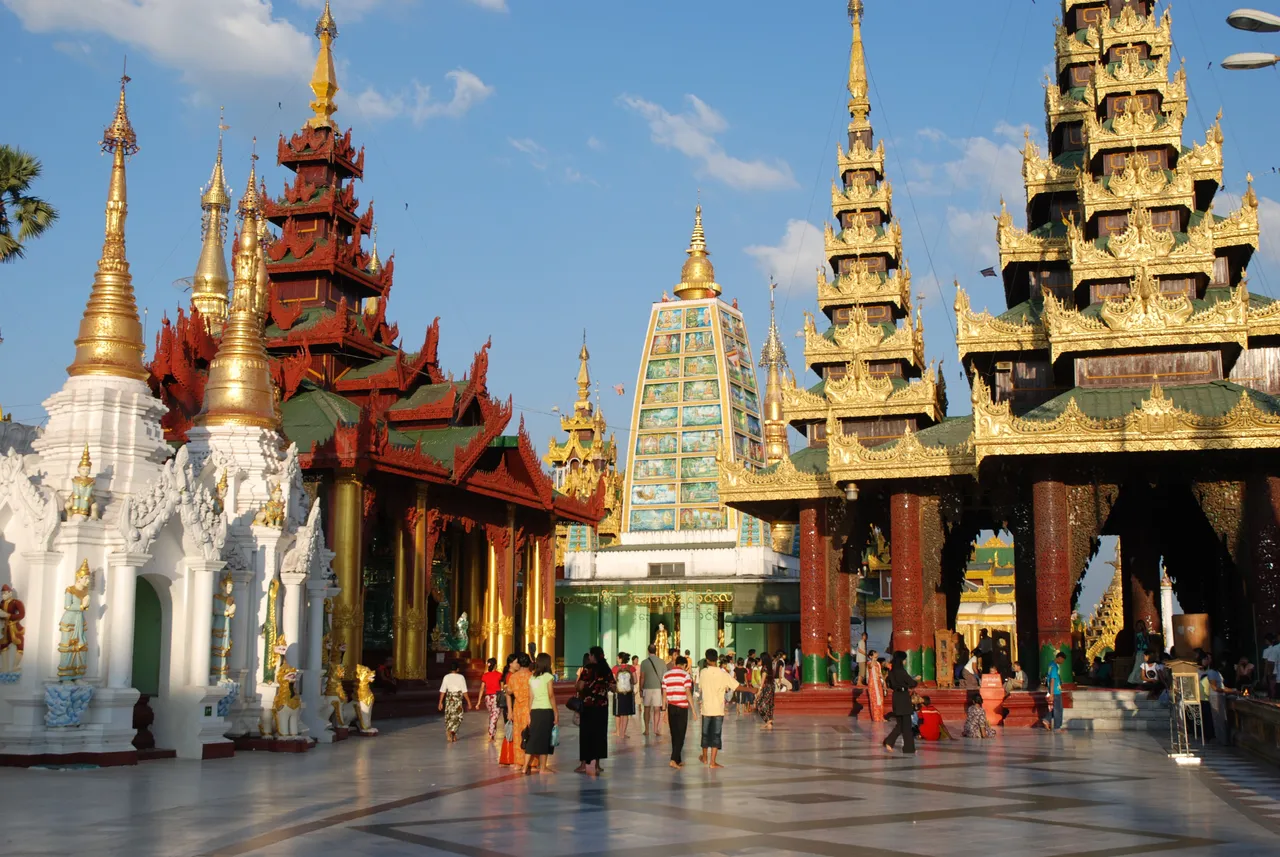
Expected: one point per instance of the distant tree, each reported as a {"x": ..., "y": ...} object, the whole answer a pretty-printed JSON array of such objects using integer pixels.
[{"x": 22, "y": 217}]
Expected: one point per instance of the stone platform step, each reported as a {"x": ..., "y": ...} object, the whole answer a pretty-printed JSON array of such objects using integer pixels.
[
  {"x": 1115, "y": 711},
  {"x": 1021, "y": 709}
]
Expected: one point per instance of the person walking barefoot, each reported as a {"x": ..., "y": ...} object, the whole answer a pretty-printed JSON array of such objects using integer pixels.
[
  {"x": 714, "y": 683},
  {"x": 543, "y": 716},
  {"x": 490, "y": 687},
  {"x": 453, "y": 699},
  {"x": 676, "y": 684}
]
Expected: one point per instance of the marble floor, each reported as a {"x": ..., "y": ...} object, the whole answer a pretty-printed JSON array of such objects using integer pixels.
[{"x": 814, "y": 786}]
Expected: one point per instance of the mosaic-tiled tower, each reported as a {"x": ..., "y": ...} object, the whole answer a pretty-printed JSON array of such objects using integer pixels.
[{"x": 696, "y": 393}]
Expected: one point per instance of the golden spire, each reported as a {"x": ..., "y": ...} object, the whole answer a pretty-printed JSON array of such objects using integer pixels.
[
  {"x": 697, "y": 277},
  {"x": 859, "y": 102},
  {"x": 262, "y": 294},
  {"x": 324, "y": 80},
  {"x": 239, "y": 390},
  {"x": 773, "y": 358},
  {"x": 209, "y": 285},
  {"x": 110, "y": 340},
  {"x": 375, "y": 264},
  {"x": 583, "y": 405}
]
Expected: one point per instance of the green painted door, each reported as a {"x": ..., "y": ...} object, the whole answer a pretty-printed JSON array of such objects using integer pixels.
[
  {"x": 146, "y": 639},
  {"x": 581, "y": 632}
]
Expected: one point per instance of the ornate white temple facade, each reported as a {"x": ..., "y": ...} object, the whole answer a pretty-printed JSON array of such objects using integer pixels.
[{"x": 181, "y": 591}]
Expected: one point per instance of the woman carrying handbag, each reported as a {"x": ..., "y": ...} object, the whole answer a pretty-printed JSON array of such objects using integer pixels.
[{"x": 595, "y": 683}]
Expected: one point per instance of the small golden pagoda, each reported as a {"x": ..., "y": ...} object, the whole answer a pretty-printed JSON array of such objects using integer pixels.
[
  {"x": 578, "y": 465},
  {"x": 209, "y": 285},
  {"x": 1108, "y": 619}
]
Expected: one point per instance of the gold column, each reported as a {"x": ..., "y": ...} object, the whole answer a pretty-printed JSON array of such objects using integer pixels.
[
  {"x": 416, "y": 636},
  {"x": 532, "y": 596},
  {"x": 401, "y": 607},
  {"x": 347, "y": 529},
  {"x": 506, "y": 605},
  {"x": 547, "y": 593},
  {"x": 492, "y": 609}
]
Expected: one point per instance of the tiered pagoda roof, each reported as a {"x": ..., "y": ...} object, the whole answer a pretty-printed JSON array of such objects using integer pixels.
[
  {"x": 349, "y": 396},
  {"x": 586, "y": 457},
  {"x": 874, "y": 398},
  {"x": 1130, "y": 326}
]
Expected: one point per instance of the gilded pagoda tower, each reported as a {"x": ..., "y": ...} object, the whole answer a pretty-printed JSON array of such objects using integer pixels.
[
  {"x": 1130, "y": 384},
  {"x": 578, "y": 465},
  {"x": 874, "y": 417}
]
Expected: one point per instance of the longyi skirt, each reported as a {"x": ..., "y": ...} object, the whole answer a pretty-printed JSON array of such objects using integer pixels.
[{"x": 540, "y": 722}]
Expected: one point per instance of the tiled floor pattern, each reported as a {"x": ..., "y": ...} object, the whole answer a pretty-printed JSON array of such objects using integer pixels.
[
  {"x": 815, "y": 786},
  {"x": 1254, "y": 785}
]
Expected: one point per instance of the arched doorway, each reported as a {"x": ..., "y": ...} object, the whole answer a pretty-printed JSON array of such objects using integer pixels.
[{"x": 147, "y": 634}]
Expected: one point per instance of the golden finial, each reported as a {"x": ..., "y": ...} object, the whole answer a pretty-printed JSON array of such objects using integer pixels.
[
  {"x": 697, "y": 277},
  {"x": 324, "y": 80},
  {"x": 84, "y": 458},
  {"x": 584, "y": 378},
  {"x": 375, "y": 264},
  {"x": 239, "y": 390},
  {"x": 209, "y": 285},
  {"x": 262, "y": 294},
  {"x": 859, "y": 103},
  {"x": 110, "y": 340},
  {"x": 249, "y": 202},
  {"x": 773, "y": 359},
  {"x": 1250, "y": 198}
]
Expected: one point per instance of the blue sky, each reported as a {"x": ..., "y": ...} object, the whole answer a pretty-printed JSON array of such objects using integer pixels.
[{"x": 550, "y": 153}]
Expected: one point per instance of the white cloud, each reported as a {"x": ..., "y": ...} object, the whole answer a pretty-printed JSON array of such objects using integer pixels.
[
  {"x": 468, "y": 91},
  {"x": 793, "y": 261},
  {"x": 203, "y": 40},
  {"x": 693, "y": 134},
  {"x": 536, "y": 154},
  {"x": 491, "y": 5},
  {"x": 993, "y": 167},
  {"x": 1012, "y": 133},
  {"x": 594, "y": 144}
]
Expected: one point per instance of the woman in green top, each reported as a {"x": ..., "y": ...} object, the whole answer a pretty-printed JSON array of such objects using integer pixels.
[{"x": 543, "y": 715}]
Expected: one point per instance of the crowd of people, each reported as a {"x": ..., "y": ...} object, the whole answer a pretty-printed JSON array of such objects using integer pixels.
[{"x": 670, "y": 689}]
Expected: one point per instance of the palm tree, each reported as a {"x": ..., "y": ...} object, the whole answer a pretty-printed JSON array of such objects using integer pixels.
[{"x": 32, "y": 215}]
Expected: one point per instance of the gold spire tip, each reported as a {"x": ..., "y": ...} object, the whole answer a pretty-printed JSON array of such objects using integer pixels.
[
  {"x": 324, "y": 80},
  {"x": 120, "y": 134}
]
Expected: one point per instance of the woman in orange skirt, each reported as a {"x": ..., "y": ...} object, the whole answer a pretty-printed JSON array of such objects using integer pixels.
[
  {"x": 520, "y": 701},
  {"x": 507, "y": 755}
]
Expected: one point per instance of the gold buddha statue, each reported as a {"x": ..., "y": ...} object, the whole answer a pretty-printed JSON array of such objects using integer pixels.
[{"x": 272, "y": 513}]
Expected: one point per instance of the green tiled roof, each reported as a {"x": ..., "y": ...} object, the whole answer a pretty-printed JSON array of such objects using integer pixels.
[
  {"x": 1069, "y": 159},
  {"x": 1213, "y": 399},
  {"x": 811, "y": 459},
  {"x": 952, "y": 431},
  {"x": 310, "y": 317},
  {"x": 425, "y": 395},
  {"x": 1027, "y": 312},
  {"x": 441, "y": 443},
  {"x": 312, "y": 415},
  {"x": 370, "y": 369}
]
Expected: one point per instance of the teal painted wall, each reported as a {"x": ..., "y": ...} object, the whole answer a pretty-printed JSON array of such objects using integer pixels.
[
  {"x": 748, "y": 637},
  {"x": 581, "y": 632},
  {"x": 146, "y": 639}
]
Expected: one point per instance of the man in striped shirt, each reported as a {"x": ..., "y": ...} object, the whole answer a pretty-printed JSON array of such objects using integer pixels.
[{"x": 676, "y": 684}]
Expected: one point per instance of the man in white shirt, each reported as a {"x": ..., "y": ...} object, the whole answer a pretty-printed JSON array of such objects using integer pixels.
[
  {"x": 860, "y": 660},
  {"x": 715, "y": 683}
]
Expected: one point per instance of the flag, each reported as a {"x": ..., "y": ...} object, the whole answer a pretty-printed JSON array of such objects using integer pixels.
[
  {"x": 619, "y": 389},
  {"x": 988, "y": 272}
]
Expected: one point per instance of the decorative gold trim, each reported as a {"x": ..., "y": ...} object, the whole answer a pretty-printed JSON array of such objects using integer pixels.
[
  {"x": 1070, "y": 50},
  {"x": 862, "y": 196},
  {"x": 1137, "y": 181},
  {"x": 862, "y": 285},
  {"x": 737, "y": 484},
  {"x": 861, "y": 394},
  {"x": 981, "y": 332},
  {"x": 1263, "y": 321},
  {"x": 849, "y": 461},
  {"x": 859, "y": 157},
  {"x": 1042, "y": 175},
  {"x": 861, "y": 338},
  {"x": 861, "y": 239},
  {"x": 1145, "y": 318},
  {"x": 1018, "y": 247},
  {"x": 1157, "y": 425},
  {"x": 1142, "y": 245},
  {"x": 1129, "y": 27}
]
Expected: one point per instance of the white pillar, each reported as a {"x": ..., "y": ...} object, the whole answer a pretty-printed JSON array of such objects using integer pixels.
[
  {"x": 291, "y": 620},
  {"x": 316, "y": 592},
  {"x": 242, "y": 640},
  {"x": 200, "y": 618},
  {"x": 122, "y": 579},
  {"x": 1166, "y": 610}
]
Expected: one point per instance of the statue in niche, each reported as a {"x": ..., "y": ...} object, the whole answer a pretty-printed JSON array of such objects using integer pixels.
[
  {"x": 73, "y": 648},
  {"x": 661, "y": 642},
  {"x": 220, "y": 494},
  {"x": 272, "y": 512},
  {"x": 224, "y": 609},
  {"x": 462, "y": 639},
  {"x": 81, "y": 503},
  {"x": 12, "y": 634}
]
